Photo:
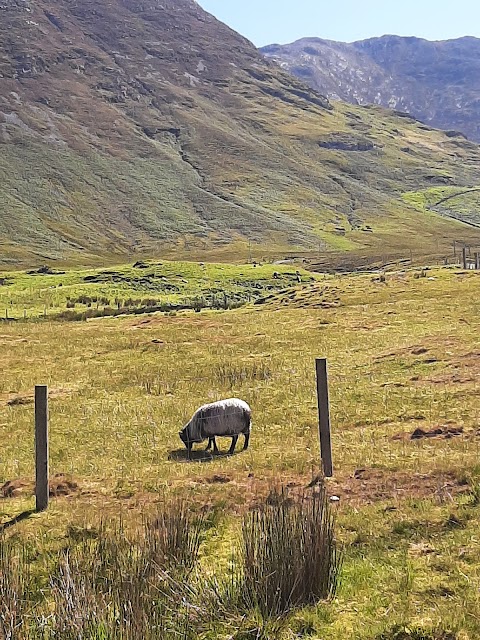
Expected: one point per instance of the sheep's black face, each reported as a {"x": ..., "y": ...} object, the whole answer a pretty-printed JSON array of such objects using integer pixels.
[{"x": 184, "y": 437}]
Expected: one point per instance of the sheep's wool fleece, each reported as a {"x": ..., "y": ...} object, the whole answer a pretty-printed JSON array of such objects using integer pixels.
[{"x": 223, "y": 418}]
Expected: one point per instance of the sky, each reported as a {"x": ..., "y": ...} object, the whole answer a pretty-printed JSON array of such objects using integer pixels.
[{"x": 283, "y": 21}]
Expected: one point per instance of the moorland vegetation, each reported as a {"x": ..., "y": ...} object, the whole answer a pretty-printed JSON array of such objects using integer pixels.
[{"x": 403, "y": 361}]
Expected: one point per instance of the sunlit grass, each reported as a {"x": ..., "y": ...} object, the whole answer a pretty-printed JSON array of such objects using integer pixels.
[{"x": 402, "y": 354}]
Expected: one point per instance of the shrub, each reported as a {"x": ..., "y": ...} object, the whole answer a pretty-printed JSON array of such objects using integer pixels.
[
  {"x": 113, "y": 584},
  {"x": 172, "y": 538},
  {"x": 115, "y": 587},
  {"x": 290, "y": 555}
]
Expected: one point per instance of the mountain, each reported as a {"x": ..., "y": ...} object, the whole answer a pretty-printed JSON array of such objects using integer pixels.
[
  {"x": 436, "y": 82},
  {"x": 147, "y": 127}
]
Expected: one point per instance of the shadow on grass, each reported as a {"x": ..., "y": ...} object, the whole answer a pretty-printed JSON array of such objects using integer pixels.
[
  {"x": 16, "y": 520},
  {"x": 182, "y": 455}
]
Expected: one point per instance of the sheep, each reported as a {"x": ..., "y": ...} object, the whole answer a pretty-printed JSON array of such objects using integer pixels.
[{"x": 230, "y": 417}]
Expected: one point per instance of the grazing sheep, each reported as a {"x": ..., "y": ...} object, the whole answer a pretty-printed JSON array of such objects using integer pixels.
[{"x": 230, "y": 417}]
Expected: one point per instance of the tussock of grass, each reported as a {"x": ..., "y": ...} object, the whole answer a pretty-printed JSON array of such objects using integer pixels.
[
  {"x": 14, "y": 580},
  {"x": 290, "y": 554},
  {"x": 406, "y": 632},
  {"x": 118, "y": 586}
]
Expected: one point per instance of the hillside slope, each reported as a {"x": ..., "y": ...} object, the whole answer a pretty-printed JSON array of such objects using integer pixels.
[
  {"x": 437, "y": 82},
  {"x": 151, "y": 128}
]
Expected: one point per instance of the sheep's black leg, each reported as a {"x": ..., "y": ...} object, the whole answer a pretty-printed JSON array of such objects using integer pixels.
[
  {"x": 212, "y": 441},
  {"x": 234, "y": 442},
  {"x": 247, "y": 440}
]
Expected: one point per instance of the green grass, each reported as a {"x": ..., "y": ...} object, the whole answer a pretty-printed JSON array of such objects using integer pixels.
[
  {"x": 451, "y": 202},
  {"x": 127, "y": 288},
  {"x": 402, "y": 354}
]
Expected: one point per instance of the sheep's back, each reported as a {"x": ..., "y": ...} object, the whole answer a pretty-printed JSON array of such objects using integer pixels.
[{"x": 224, "y": 418}]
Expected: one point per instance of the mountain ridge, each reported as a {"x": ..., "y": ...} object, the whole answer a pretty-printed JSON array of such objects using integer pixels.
[{"x": 437, "y": 82}]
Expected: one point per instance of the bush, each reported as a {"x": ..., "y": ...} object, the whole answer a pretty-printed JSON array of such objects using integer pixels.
[
  {"x": 114, "y": 587},
  {"x": 172, "y": 539},
  {"x": 114, "y": 584},
  {"x": 290, "y": 556}
]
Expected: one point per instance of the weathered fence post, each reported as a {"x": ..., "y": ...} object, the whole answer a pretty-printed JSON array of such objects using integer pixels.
[
  {"x": 477, "y": 260},
  {"x": 464, "y": 257},
  {"x": 324, "y": 416},
  {"x": 41, "y": 447}
]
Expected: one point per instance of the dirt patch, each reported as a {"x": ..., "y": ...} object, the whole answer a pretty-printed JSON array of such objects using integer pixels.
[
  {"x": 243, "y": 491},
  {"x": 18, "y": 400},
  {"x": 430, "y": 346},
  {"x": 17, "y": 488},
  {"x": 443, "y": 432},
  {"x": 60, "y": 485},
  {"x": 461, "y": 369},
  {"x": 218, "y": 479},
  {"x": 143, "y": 324},
  {"x": 413, "y": 350},
  {"x": 446, "y": 378},
  {"x": 418, "y": 351},
  {"x": 45, "y": 271},
  {"x": 368, "y": 486},
  {"x": 364, "y": 487}
]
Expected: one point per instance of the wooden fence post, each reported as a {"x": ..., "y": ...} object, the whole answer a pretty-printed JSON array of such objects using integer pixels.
[
  {"x": 324, "y": 416},
  {"x": 477, "y": 260},
  {"x": 464, "y": 257},
  {"x": 41, "y": 447}
]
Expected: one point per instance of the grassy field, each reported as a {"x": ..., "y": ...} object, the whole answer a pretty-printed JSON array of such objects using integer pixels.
[
  {"x": 73, "y": 295},
  {"x": 404, "y": 358}
]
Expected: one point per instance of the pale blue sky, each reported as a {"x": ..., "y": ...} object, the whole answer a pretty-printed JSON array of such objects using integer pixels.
[{"x": 283, "y": 21}]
